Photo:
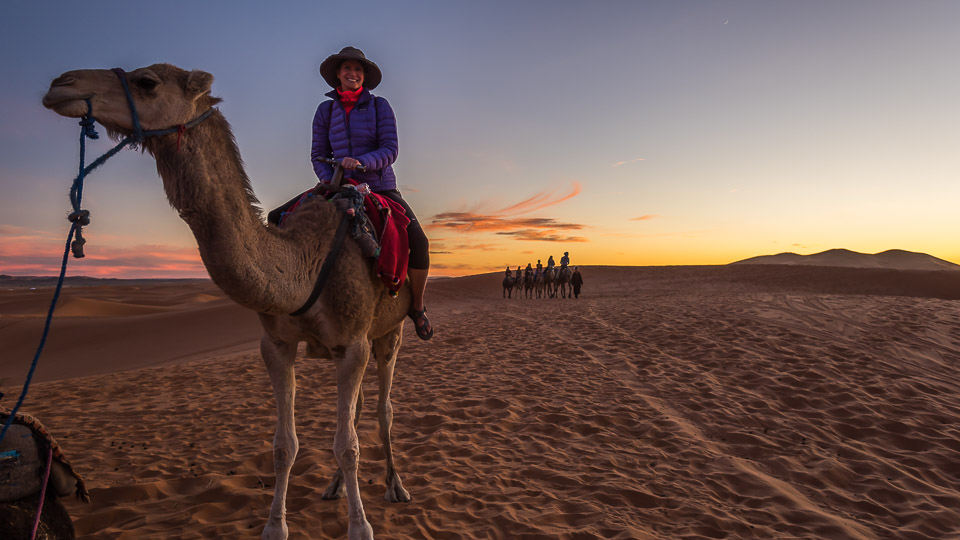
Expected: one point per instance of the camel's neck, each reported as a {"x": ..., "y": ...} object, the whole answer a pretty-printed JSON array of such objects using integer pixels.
[{"x": 205, "y": 181}]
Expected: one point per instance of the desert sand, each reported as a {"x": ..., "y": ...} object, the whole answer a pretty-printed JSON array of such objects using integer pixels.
[{"x": 665, "y": 403}]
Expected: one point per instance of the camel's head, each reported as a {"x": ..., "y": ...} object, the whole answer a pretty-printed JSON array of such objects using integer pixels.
[{"x": 165, "y": 96}]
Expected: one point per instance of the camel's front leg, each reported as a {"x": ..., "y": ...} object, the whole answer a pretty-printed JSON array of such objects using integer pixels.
[
  {"x": 346, "y": 447},
  {"x": 386, "y": 349},
  {"x": 279, "y": 358}
]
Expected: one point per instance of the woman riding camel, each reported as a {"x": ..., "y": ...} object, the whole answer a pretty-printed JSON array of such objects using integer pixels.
[{"x": 360, "y": 129}]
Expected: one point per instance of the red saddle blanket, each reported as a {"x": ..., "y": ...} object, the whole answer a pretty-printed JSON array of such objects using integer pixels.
[{"x": 389, "y": 221}]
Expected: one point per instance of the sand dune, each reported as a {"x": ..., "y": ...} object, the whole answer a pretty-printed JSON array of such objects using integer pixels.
[
  {"x": 87, "y": 307},
  {"x": 104, "y": 329},
  {"x": 896, "y": 259},
  {"x": 665, "y": 403}
]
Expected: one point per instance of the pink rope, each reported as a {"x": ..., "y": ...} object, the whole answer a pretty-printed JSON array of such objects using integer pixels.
[{"x": 43, "y": 492}]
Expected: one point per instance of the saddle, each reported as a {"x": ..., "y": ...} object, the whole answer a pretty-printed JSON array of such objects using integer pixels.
[
  {"x": 23, "y": 458},
  {"x": 379, "y": 227}
]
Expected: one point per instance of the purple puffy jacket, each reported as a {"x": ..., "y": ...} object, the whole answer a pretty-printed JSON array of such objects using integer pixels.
[{"x": 370, "y": 137}]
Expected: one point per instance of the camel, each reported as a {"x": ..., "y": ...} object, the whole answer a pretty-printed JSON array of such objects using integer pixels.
[
  {"x": 264, "y": 268},
  {"x": 528, "y": 284},
  {"x": 563, "y": 282},
  {"x": 518, "y": 283},
  {"x": 550, "y": 282},
  {"x": 508, "y": 286}
]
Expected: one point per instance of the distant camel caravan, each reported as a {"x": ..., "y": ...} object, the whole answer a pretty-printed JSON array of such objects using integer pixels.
[
  {"x": 264, "y": 268},
  {"x": 548, "y": 282}
]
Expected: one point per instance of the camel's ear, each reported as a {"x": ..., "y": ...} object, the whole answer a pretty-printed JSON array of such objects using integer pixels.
[{"x": 199, "y": 83}]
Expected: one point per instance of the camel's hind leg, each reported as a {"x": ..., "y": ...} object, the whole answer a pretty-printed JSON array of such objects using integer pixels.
[
  {"x": 385, "y": 349},
  {"x": 350, "y": 366},
  {"x": 334, "y": 491},
  {"x": 279, "y": 358}
]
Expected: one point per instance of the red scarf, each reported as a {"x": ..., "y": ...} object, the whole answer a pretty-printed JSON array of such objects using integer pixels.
[{"x": 349, "y": 98}]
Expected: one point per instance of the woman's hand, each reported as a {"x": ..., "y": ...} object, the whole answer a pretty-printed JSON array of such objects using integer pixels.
[{"x": 349, "y": 163}]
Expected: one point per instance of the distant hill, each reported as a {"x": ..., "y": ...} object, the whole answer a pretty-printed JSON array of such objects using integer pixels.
[{"x": 893, "y": 259}]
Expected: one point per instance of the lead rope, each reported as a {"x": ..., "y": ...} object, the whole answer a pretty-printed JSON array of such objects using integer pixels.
[
  {"x": 43, "y": 493},
  {"x": 79, "y": 218}
]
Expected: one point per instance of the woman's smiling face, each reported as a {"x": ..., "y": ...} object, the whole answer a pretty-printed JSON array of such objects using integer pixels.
[{"x": 350, "y": 75}]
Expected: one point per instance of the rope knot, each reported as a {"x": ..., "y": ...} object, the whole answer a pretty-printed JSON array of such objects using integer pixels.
[
  {"x": 77, "y": 245},
  {"x": 82, "y": 217},
  {"x": 87, "y": 123}
]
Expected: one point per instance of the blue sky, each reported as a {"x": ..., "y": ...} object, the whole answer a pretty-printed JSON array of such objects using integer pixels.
[{"x": 624, "y": 132}]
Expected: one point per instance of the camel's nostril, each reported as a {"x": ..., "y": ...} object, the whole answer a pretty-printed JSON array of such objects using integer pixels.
[{"x": 63, "y": 80}]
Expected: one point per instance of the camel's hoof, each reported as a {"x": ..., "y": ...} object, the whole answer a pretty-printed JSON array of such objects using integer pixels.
[
  {"x": 395, "y": 492},
  {"x": 335, "y": 489},
  {"x": 275, "y": 530}
]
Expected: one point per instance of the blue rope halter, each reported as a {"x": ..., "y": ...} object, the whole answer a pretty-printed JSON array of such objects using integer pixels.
[{"x": 79, "y": 217}]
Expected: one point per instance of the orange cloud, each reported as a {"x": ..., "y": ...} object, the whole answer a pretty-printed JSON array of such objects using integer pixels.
[
  {"x": 504, "y": 222},
  {"x": 542, "y": 236},
  {"x": 471, "y": 222},
  {"x": 647, "y": 217},
  {"x": 478, "y": 247}
]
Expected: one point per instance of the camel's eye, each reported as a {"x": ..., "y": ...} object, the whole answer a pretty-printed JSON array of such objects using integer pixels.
[{"x": 148, "y": 84}]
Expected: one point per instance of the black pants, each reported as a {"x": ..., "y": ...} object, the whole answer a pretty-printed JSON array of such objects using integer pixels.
[{"x": 419, "y": 245}]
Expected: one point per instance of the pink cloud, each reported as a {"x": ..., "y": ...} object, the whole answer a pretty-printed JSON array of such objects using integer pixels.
[
  {"x": 23, "y": 257},
  {"x": 540, "y": 201},
  {"x": 627, "y": 162}
]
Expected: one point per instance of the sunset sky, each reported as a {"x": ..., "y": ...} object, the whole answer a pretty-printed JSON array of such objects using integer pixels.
[{"x": 624, "y": 132}]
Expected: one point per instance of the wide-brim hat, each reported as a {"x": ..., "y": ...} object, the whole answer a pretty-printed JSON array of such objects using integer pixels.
[{"x": 330, "y": 67}]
